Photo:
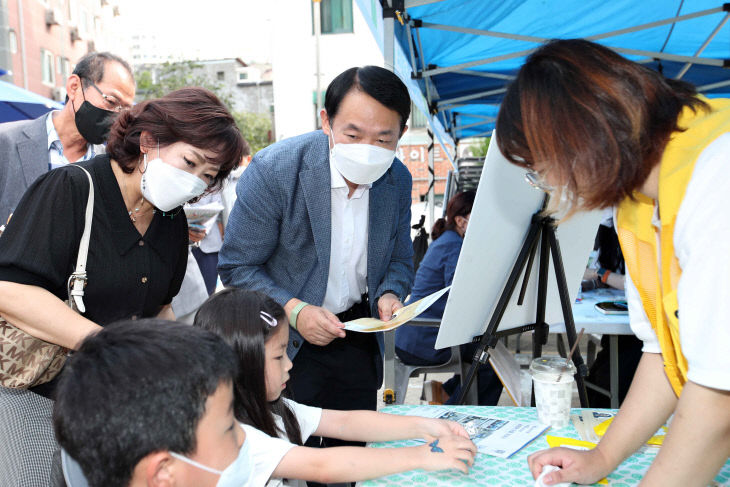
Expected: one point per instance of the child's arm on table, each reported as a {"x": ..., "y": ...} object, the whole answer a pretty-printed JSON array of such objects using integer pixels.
[
  {"x": 373, "y": 426},
  {"x": 352, "y": 464}
]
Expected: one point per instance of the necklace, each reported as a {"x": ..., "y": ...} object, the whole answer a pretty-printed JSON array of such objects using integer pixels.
[{"x": 133, "y": 213}]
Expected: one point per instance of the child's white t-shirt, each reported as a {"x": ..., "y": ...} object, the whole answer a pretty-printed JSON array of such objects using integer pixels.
[
  {"x": 308, "y": 418},
  {"x": 266, "y": 453}
]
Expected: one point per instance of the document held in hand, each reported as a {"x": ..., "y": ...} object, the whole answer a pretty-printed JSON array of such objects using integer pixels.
[{"x": 402, "y": 316}]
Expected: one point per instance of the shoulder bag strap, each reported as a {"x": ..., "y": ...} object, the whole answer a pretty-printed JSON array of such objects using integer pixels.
[{"x": 77, "y": 279}]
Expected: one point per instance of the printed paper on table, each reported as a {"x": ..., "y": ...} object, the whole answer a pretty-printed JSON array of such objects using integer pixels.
[{"x": 497, "y": 437}]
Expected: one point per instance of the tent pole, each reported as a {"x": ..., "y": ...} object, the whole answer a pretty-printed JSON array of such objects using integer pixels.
[
  {"x": 410, "y": 47},
  {"x": 424, "y": 65},
  {"x": 475, "y": 124},
  {"x": 686, "y": 67},
  {"x": 614, "y": 33},
  {"x": 473, "y": 96},
  {"x": 432, "y": 175},
  {"x": 713, "y": 86},
  {"x": 484, "y": 74}
]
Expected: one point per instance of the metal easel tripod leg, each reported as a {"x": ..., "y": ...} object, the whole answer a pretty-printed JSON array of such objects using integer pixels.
[{"x": 542, "y": 231}]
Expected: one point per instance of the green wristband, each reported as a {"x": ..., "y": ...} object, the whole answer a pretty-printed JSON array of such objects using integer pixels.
[{"x": 295, "y": 313}]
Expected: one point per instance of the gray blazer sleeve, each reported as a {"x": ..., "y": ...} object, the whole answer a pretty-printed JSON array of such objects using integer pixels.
[{"x": 399, "y": 275}]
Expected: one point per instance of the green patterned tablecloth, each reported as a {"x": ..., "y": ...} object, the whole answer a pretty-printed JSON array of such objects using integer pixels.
[{"x": 489, "y": 470}]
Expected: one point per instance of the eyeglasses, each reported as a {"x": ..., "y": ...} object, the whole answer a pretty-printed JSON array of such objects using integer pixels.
[
  {"x": 111, "y": 101},
  {"x": 538, "y": 181},
  {"x": 268, "y": 319}
]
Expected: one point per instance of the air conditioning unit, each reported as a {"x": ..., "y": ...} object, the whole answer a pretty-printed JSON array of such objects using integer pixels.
[
  {"x": 74, "y": 32},
  {"x": 58, "y": 93},
  {"x": 53, "y": 16}
]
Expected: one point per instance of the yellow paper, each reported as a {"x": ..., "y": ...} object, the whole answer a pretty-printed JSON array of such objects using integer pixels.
[
  {"x": 655, "y": 440},
  {"x": 402, "y": 316}
]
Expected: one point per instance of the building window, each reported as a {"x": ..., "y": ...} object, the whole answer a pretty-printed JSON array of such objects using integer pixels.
[
  {"x": 64, "y": 66},
  {"x": 85, "y": 22},
  {"x": 335, "y": 15},
  {"x": 72, "y": 12},
  {"x": 48, "y": 73},
  {"x": 221, "y": 75},
  {"x": 12, "y": 41},
  {"x": 242, "y": 76},
  {"x": 418, "y": 119}
]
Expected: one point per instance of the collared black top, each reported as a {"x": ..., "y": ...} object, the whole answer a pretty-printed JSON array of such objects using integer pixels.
[{"x": 129, "y": 275}]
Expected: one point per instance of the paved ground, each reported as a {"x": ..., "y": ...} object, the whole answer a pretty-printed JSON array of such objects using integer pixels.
[{"x": 415, "y": 385}]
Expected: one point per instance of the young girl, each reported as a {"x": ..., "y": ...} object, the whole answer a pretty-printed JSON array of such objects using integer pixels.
[{"x": 256, "y": 327}]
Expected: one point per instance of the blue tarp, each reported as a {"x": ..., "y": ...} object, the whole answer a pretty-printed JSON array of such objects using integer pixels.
[
  {"x": 464, "y": 90},
  {"x": 19, "y": 104}
]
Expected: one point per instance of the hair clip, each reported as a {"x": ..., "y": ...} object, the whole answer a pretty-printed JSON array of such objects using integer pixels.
[
  {"x": 434, "y": 446},
  {"x": 268, "y": 319}
]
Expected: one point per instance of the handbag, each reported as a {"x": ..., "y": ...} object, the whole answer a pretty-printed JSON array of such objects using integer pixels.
[{"x": 27, "y": 361}]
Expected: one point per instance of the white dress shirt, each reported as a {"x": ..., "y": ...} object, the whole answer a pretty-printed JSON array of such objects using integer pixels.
[
  {"x": 347, "y": 278},
  {"x": 701, "y": 237},
  {"x": 55, "y": 148}
]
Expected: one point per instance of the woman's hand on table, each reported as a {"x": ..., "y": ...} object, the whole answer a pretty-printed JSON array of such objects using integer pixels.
[
  {"x": 449, "y": 452},
  {"x": 430, "y": 429},
  {"x": 581, "y": 467}
]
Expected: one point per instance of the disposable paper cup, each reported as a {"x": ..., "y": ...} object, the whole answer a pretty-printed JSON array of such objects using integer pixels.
[{"x": 553, "y": 381}]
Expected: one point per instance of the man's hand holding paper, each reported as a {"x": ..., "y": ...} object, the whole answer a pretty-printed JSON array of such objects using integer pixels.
[{"x": 400, "y": 317}]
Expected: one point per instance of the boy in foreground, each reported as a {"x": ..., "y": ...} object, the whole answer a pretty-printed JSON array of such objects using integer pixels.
[{"x": 150, "y": 403}]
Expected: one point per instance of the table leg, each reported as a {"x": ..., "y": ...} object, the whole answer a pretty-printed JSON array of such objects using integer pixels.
[{"x": 613, "y": 365}]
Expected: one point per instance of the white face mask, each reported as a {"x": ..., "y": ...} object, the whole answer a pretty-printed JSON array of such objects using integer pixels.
[
  {"x": 235, "y": 475},
  {"x": 168, "y": 187},
  {"x": 360, "y": 163}
]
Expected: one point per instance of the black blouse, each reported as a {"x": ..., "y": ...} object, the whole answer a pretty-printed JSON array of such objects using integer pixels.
[{"x": 129, "y": 275}]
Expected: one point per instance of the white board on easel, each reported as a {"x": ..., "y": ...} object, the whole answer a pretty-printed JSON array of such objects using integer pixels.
[{"x": 498, "y": 225}]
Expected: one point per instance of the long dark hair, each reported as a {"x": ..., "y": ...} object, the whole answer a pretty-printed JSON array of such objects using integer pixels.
[
  {"x": 235, "y": 315},
  {"x": 459, "y": 205}
]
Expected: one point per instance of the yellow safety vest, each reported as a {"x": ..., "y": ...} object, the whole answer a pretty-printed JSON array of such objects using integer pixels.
[{"x": 639, "y": 238}]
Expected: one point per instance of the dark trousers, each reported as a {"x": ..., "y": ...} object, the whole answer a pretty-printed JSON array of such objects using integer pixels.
[
  {"x": 489, "y": 387},
  {"x": 343, "y": 375},
  {"x": 208, "y": 264}
]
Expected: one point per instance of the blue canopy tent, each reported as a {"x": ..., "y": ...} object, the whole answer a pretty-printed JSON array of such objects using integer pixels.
[
  {"x": 463, "y": 53},
  {"x": 19, "y": 104}
]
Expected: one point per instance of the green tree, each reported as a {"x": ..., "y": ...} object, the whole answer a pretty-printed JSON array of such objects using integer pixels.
[
  {"x": 158, "y": 80},
  {"x": 256, "y": 129},
  {"x": 479, "y": 148}
]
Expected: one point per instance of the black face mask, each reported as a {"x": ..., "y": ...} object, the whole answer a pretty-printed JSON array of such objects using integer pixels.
[{"x": 92, "y": 122}]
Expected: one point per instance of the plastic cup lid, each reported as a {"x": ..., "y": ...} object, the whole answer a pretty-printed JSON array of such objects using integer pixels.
[{"x": 550, "y": 367}]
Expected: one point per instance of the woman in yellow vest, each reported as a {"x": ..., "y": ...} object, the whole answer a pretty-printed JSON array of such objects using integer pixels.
[{"x": 607, "y": 132}]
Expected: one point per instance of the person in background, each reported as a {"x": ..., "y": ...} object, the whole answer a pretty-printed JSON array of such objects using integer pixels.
[
  {"x": 208, "y": 240},
  {"x": 228, "y": 194},
  {"x": 414, "y": 345},
  {"x": 608, "y": 271},
  {"x": 256, "y": 327},
  {"x": 100, "y": 87},
  {"x": 160, "y": 154},
  {"x": 150, "y": 403},
  {"x": 623, "y": 135},
  {"x": 322, "y": 225}
]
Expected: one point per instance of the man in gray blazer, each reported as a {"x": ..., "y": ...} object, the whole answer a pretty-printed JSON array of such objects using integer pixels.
[
  {"x": 322, "y": 225},
  {"x": 101, "y": 85}
]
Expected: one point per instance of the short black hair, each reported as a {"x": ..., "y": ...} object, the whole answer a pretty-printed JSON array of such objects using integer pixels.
[
  {"x": 90, "y": 68},
  {"x": 134, "y": 388},
  {"x": 379, "y": 83}
]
